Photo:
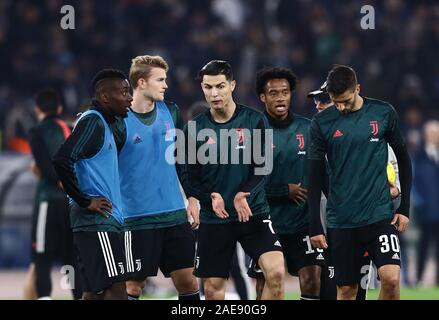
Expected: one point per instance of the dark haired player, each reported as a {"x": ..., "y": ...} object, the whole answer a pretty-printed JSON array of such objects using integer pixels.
[
  {"x": 88, "y": 169},
  {"x": 353, "y": 135}
]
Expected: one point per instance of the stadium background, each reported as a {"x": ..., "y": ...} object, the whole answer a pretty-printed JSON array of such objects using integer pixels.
[{"x": 396, "y": 62}]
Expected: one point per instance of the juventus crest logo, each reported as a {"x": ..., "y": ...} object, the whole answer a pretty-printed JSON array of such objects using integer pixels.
[
  {"x": 374, "y": 125},
  {"x": 331, "y": 272},
  {"x": 121, "y": 268},
  {"x": 240, "y": 138},
  {"x": 138, "y": 264},
  {"x": 301, "y": 140}
]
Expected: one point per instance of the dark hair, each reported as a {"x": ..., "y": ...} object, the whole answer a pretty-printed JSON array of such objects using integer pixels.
[
  {"x": 47, "y": 100},
  {"x": 268, "y": 73},
  {"x": 106, "y": 74},
  {"x": 214, "y": 68},
  {"x": 340, "y": 79}
]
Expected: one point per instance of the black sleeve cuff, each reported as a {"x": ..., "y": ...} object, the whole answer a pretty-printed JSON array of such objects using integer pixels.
[{"x": 316, "y": 173}]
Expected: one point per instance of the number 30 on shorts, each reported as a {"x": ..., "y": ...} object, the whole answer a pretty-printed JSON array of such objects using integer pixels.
[{"x": 386, "y": 244}]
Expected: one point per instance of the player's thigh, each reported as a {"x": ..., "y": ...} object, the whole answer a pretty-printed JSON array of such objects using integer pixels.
[
  {"x": 101, "y": 259},
  {"x": 299, "y": 252},
  {"x": 178, "y": 249},
  {"x": 143, "y": 249},
  {"x": 257, "y": 237},
  {"x": 215, "y": 248},
  {"x": 383, "y": 243},
  {"x": 346, "y": 252}
]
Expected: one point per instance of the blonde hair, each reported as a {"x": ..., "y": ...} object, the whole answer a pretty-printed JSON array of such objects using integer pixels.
[{"x": 141, "y": 67}]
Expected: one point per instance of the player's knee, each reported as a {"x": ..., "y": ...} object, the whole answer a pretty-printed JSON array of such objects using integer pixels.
[
  {"x": 135, "y": 288},
  {"x": 310, "y": 284},
  {"x": 212, "y": 292},
  {"x": 91, "y": 296},
  {"x": 390, "y": 282},
  {"x": 275, "y": 274},
  {"x": 346, "y": 292},
  {"x": 187, "y": 284},
  {"x": 117, "y": 291}
]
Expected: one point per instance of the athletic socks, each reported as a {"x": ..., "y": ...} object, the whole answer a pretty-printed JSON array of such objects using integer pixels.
[
  {"x": 189, "y": 296},
  {"x": 309, "y": 297},
  {"x": 132, "y": 297}
]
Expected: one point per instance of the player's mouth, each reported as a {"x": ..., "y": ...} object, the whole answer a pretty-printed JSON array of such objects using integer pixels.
[
  {"x": 281, "y": 108},
  {"x": 216, "y": 102}
]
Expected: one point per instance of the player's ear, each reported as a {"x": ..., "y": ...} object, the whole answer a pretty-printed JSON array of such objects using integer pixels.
[
  {"x": 262, "y": 97},
  {"x": 59, "y": 109},
  {"x": 357, "y": 89},
  {"x": 140, "y": 82},
  {"x": 104, "y": 96},
  {"x": 233, "y": 84}
]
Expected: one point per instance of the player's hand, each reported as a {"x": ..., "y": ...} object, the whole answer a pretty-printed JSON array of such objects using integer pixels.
[
  {"x": 101, "y": 205},
  {"x": 297, "y": 193},
  {"x": 394, "y": 191},
  {"x": 241, "y": 206},
  {"x": 35, "y": 170},
  {"x": 193, "y": 212},
  {"x": 218, "y": 205},
  {"x": 400, "y": 221},
  {"x": 319, "y": 241}
]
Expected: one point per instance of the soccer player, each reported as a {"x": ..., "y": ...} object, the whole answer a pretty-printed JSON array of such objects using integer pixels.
[
  {"x": 87, "y": 166},
  {"x": 231, "y": 193},
  {"x": 328, "y": 290},
  {"x": 158, "y": 233},
  {"x": 353, "y": 134},
  {"x": 52, "y": 238},
  {"x": 286, "y": 187}
]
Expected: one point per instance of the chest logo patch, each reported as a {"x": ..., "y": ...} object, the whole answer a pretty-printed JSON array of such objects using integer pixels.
[
  {"x": 301, "y": 140},
  {"x": 337, "y": 134},
  {"x": 137, "y": 139},
  {"x": 375, "y": 130},
  {"x": 240, "y": 138}
]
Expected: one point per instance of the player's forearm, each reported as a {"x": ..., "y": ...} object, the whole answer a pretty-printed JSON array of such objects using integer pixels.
[
  {"x": 405, "y": 176},
  {"x": 191, "y": 182},
  {"x": 64, "y": 166},
  {"x": 253, "y": 183},
  {"x": 276, "y": 191},
  {"x": 256, "y": 181},
  {"x": 325, "y": 179},
  {"x": 317, "y": 171}
]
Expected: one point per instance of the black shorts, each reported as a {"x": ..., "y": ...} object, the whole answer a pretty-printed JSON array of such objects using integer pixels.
[
  {"x": 217, "y": 243},
  {"x": 51, "y": 232},
  {"x": 101, "y": 259},
  {"x": 348, "y": 246},
  {"x": 328, "y": 287},
  {"x": 298, "y": 253},
  {"x": 170, "y": 249}
]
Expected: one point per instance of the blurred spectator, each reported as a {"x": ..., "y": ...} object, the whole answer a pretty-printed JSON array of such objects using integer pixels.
[
  {"x": 426, "y": 182},
  {"x": 412, "y": 127}
]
